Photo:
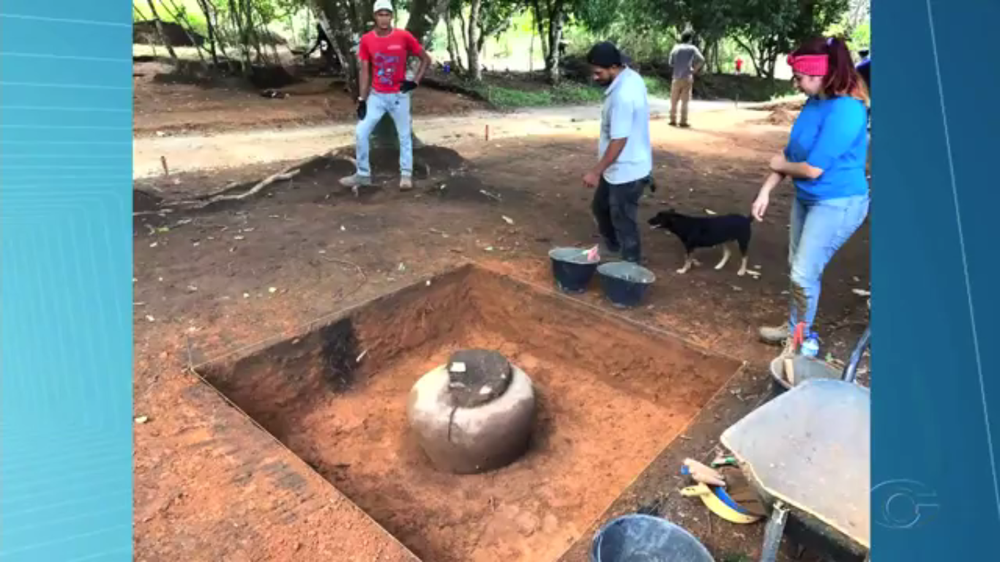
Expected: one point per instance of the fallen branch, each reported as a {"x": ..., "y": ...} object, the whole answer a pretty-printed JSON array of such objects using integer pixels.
[
  {"x": 280, "y": 176},
  {"x": 220, "y": 195}
]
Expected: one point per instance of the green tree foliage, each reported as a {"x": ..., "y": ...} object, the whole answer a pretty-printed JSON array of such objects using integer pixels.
[
  {"x": 477, "y": 21},
  {"x": 767, "y": 28}
]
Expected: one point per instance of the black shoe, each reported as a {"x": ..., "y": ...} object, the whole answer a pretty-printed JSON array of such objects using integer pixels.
[{"x": 685, "y": 126}]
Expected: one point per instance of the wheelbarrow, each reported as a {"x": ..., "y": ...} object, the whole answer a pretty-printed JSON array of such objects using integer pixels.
[{"x": 807, "y": 454}]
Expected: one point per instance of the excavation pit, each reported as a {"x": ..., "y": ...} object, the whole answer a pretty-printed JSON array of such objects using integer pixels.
[{"x": 610, "y": 395}]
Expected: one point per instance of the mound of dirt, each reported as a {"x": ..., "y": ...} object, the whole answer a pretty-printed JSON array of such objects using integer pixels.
[
  {"x": 427, "y": 160},
  {"x": 145, "y": 33},
  {"x": 227, "y": 74},
  {"x": 780, "y": 116},
  {"x": 787, "y": 105}
]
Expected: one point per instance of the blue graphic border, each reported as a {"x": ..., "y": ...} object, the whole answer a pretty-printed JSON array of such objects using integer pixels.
[
  {"x": 935, "y": 392},
  {"x": 65, "y": 281}
]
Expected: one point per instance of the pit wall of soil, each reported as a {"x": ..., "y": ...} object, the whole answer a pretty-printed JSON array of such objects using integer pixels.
[
  {"x": 343, "y": 353},
  {"x": 441, "y": 312},
  {"x": 612, "y": 395}
]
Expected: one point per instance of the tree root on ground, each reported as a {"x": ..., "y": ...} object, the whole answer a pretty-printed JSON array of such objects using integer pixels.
[{"x": 223, "y": 195}]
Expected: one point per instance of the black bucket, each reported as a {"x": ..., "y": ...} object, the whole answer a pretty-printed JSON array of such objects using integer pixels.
[
  {"x": 572, "y": 269},
  {"x": 625, "y": 283}
]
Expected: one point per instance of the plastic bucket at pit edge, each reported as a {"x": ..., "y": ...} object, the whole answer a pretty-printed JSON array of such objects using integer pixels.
[
  {"x": 644, "y": 538},
  {"x": 806, "y": 368},
  {"x": 625, "y": 283},
  {"x": 571, "y": 269}
]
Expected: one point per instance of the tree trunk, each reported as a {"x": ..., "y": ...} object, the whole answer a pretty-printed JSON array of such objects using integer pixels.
[
  {"x": 453, "y": 52},
  {"x": 234, "y": 14},
  {"x": 160, "y": 32},
  {"x": 473, "y": 44},
  {"x": 424, "y": 16},
  {"x": 211, "y": 31},
  {"x": 536, "y": 8},
  {"x": 335, "y": 19},
  {"x": 180, "y": 16},
  {"x": 555, "y": 37},
  {"x": 251, "y": 30},
  {"x": 755, "y": 56},
  {"x": 531, "y": 52}
]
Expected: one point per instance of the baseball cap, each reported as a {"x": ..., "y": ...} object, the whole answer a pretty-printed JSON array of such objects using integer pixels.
[
  {"x": 605, "y": 55},
  {"x": 382, "y": 5}
]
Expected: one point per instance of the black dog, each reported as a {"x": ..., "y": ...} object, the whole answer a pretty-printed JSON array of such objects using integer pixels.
[{"x": 707, "y": 232}]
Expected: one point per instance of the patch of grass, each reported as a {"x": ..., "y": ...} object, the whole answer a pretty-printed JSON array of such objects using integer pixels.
[
  {"x": 567, "y": 93},
  {"x": 745, "y": 88},
  {"x": 736, "y": 558},
  {"x": 657, "y": 86}
]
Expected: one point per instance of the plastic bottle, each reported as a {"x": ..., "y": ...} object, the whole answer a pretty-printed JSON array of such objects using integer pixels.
[{"x": 810, "y": 347}]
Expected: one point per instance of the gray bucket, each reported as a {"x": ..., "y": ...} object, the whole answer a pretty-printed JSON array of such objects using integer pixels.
[
  {"x": 644, "y": 538},
  {"x": 625, "y": 283},
  {"x": 806, "y": 368}
]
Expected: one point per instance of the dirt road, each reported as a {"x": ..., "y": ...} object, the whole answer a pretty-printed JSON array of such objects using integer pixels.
[{"x": 188, "y": 153}]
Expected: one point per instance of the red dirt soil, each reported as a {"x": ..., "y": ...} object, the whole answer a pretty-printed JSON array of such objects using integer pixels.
[
  {"x": 211, "y": 486},
  {"x": 611, "y": 397}
]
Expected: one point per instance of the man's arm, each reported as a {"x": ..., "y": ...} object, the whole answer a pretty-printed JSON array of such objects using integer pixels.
[
  {"x": 416, "y": 49},
  {"x": 698, "y": 61},
  {"x": 425, "y": 63},
  {"x": 620, "y": 127},
  {"x": 364, "y": 69},
  {"x": 615, "y": 148},
  {"x": 364, "y": 79}
]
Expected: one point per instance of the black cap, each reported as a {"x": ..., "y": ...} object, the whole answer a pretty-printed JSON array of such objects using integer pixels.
[{"x": 606, "y": 55}]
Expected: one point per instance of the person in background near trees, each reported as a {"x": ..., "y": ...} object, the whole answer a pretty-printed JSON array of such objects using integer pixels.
[
  {"x": 384, "y": 88},
  {"x": 864, "y": 68},
  {"x": 685, "y": 60},
  {"x": 825, "y": 157},
  {"x": 625, "y": 152},
  {"x": 325, "y": 49}
]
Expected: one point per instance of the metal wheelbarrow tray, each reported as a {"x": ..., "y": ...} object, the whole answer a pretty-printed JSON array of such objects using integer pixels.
[{"x": 808, "y": 454}]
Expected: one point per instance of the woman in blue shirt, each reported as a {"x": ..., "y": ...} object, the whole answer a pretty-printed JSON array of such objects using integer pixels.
[{"x": 825, "y": 158}]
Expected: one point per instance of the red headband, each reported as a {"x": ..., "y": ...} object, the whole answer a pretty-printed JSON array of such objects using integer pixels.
[{"x": 810, "y": 65}]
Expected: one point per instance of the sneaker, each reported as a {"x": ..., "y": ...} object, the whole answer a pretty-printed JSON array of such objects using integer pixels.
[
  {"x": 356, "y": 181},
  {"x": 685, "y": 125},
  {"x": 673, "y": 122},
  {"x": 775, "y": 335},
  {"x": 405, "y": 183}
]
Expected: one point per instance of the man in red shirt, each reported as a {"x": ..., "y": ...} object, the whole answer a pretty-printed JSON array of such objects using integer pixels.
[{"x": 385, "y": 89}]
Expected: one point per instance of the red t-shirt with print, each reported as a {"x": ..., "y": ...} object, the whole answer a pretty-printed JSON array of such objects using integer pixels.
[{"x": 387, "y": 56}]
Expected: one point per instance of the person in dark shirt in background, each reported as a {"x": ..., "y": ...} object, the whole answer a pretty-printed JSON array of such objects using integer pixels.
[
  {"x": 685, "y": 60},
  {"x": 864, "y": 68}
]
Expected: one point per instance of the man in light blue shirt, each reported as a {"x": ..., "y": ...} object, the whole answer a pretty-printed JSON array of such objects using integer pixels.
[{"x": 625, "y": 152}]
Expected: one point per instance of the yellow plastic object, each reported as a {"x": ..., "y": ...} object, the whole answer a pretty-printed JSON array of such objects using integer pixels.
[{"x": 717, "y": 506}]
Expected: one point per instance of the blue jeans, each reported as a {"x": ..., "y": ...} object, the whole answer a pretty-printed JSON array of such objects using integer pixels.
[
  {"x": 818, "y": 230},
  {"x": 398, "y": 108}
]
